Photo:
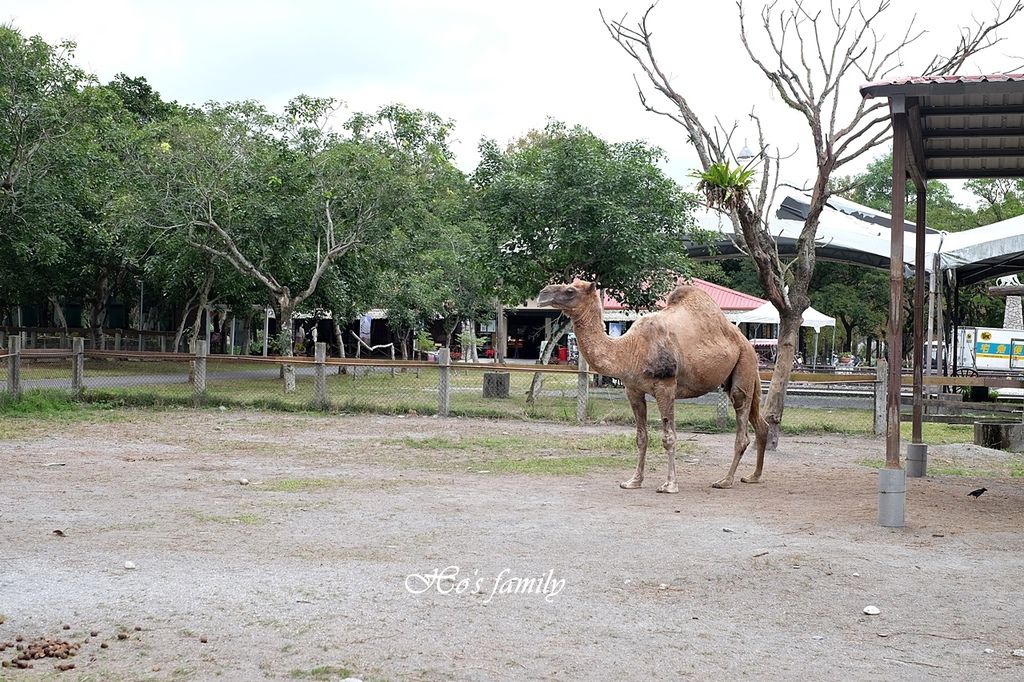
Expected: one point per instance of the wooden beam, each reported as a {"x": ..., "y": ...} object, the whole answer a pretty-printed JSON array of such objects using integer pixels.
[
  {"x": 919, "y": 275},
  {"x": 987, "y": 110},
  {"x": 894, "y": 338},
  {"x": 973, "y": 153},
  {"x": 939, "y": 133},
  {"x": 918, "y": 161},
  {"x": 964, "y": 174}
]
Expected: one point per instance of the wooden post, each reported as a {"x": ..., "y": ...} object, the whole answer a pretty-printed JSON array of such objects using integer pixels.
[
  {"x": 320, "y": 375},
  {"x": 199, "y": 373},
  {"x": 919, "y": 276},
  {"x": 582, "y": 390},
  {"x": 117, "y": 340},
  {"x": 894, "y": 338},
  {"x": 444, "y": 363},
  {"x": 881, "y": 384},
  {"x": 32, "y": 340},
  {"x": 78, "y": 365},
  {"x": 163, "y": 343},
  {"x": 14, "y": 366},
  {"x": 722, "y": 410}
]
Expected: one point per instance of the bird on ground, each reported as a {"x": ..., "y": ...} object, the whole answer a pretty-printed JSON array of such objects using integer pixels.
[{"x": 977, "y": 493}]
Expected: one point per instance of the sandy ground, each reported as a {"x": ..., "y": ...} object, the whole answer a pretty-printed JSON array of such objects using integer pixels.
[{"x": 304, "y": 572}]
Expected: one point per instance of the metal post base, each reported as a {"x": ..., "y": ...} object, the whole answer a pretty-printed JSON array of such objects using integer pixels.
[
  {"x": 917, "y": 460},
  {"x": 892, "y": 497}
]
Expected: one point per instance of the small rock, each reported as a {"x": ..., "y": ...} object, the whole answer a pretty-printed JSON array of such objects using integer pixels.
[
  {"x": 663, "y": 586},
  {"x": 817, "y": 638},
  {"x": 856, "y": 574},
  {"x": 138, "y": 628},
  {"x": 243, "y": 481},
  {"x": 59, "y": 533},
  {"x": 222, "y": 408},
  {"x": 883, "y": 634},
  {"x": 990, "y": 651},
  {"x": 203, "y": 639},
  {"x": 103, "y": 645},
  {"x": 351, "y": 679},
  {"x": 872, "y": 610},
  {"x": 66, "y": 626},
  {"x": 129, "y": 565},
  {"x": 94, "y": 633},
  {"x": 728, "y": 530},
  {"x": 122, "y": 635},
  {"x": 1019, "y": 653}
]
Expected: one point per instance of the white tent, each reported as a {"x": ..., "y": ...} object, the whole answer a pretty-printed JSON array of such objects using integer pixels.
[{"x": 768, "y": 314}]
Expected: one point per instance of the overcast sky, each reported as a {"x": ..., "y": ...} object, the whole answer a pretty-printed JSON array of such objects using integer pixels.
[{"x": 497, "y": 69}]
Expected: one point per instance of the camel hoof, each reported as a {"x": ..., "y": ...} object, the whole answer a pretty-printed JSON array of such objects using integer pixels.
[
  {"x": 668, "y": 487},
  {"x": 631, "y": 484},
  {"x": 751, "y": 479},
  {"x": 723, "y": 484}
]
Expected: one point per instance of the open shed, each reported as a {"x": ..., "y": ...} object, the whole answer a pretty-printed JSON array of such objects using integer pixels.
[{"x": 944, "y": 127}]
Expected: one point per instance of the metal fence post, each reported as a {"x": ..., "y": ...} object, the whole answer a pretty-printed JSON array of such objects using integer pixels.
[
  {"x": 77, "y": 365},
  {"x": 117, "y": 340},
  {"x": 14, "y": 366},
  {"x": 444, "y": 377},
  {"x": 881, "y": 390},
  {"x": 320, "y": 375},
  {"x": 582, "y": 390},
  {"x": 199, "y": 373}
]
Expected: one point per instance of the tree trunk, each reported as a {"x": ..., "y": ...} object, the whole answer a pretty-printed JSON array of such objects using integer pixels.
[
  {"x": 339, "y": 338},
  {"x": 98, "y": 311},
  {"x": 204, "y": 299},
  {"x": 58, "y": 312},
  {"x": 774, "y": 403},
  {"x": 557, "y": 330},
  {"x": 285, "y": 306}
]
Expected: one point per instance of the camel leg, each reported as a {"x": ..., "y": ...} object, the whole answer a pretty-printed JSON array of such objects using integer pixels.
[
  {"x": 666, "y": 397},
  {"x": 760, "y": 439},
  {"x": 638, "y": 401},
  {"x": 741, "y": 399}
]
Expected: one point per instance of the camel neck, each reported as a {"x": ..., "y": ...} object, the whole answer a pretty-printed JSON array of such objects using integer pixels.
[{"x": 596, "y": 346}]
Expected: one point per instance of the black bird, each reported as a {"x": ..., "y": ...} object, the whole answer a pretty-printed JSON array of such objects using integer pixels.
[{"x": 977, "y": 493}]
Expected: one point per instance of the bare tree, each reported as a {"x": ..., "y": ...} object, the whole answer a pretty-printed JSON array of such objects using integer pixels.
[{"x": 813, "y": 60}]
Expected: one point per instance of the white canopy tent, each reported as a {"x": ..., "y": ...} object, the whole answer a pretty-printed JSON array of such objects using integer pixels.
[{"x": 768, "y": 314}]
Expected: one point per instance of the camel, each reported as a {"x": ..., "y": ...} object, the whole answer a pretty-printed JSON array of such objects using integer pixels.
[{"x": 685, "y": 350}]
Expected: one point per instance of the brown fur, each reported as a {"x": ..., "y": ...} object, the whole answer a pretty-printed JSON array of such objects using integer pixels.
[{"x": 683, "y": 351}]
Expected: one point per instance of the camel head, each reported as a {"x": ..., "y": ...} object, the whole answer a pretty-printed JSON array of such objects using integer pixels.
[{"x": 567, "y": 296}]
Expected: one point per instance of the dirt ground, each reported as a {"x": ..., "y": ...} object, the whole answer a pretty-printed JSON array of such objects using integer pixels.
[{"x": 304, "y": 573}]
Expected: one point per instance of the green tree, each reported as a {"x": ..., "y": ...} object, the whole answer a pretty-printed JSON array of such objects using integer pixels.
[{"x": 562, "y": 203}]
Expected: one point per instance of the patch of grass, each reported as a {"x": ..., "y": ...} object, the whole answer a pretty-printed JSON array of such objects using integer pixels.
[
  {"x": 37, "y": 403},
  {"x": 1016, "y": 468},
  {"x": 245, "y": 518},
  {"x": 323, "y": 672},
  {"x": 872, "y": 462},
  {"x": 496, "y": 444},
  {"x": 553, "y": 466},
  {"x": 294, "y": 485}
]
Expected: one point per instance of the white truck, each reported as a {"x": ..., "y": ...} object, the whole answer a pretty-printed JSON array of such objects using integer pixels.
[{"x": 989, "y": 350}]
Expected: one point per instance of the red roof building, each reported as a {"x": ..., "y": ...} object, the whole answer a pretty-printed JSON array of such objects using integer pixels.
[{"x": 729, "y": 300}]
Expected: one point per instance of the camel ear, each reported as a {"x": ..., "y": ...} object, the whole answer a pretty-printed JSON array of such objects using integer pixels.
[{"x": 591, "y": 287}]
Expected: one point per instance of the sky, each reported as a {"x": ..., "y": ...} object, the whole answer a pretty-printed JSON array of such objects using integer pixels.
[{"x": 498, "y": 69}]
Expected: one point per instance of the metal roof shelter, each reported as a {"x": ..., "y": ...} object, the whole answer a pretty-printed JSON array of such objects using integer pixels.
[
  {"x": 944, "y": 127},
  {"x": 847, "y": 232}
]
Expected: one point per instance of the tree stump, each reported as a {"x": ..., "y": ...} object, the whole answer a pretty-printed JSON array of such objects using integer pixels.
[
  {"x": 1000, "y": 435},
  {"x": 496, "y": 384}
]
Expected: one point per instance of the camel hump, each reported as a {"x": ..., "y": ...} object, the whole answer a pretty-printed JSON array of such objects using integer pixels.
[{"x": 681, "y": 293}]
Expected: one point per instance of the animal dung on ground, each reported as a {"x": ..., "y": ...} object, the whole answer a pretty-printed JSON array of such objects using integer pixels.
[{"x": 44, "y": 647}]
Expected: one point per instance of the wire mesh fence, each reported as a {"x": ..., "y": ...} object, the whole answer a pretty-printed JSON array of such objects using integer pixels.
[{"x": 565, "y": 393}]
